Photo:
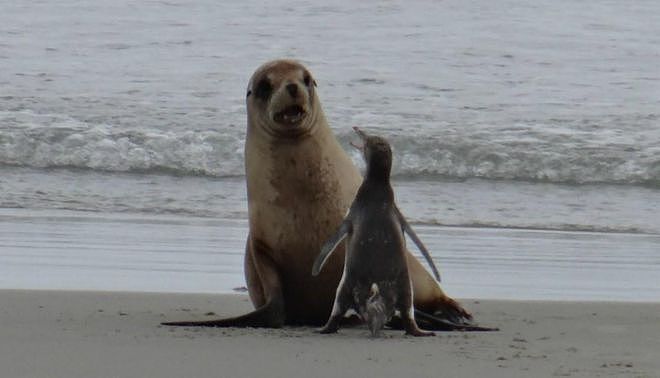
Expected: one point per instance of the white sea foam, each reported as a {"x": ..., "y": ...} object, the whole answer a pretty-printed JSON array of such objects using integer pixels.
[
  {"x": 55, "y": 141},
  {"x": 521, "y": 153}
]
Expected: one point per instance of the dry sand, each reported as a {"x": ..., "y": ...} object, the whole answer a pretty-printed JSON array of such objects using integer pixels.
[{"x": 102, "y": 334}]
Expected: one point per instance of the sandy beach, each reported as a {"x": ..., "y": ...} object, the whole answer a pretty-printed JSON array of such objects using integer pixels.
[
  {"x": 112, "y": 334},
  {"x": 112, "y": 328}
]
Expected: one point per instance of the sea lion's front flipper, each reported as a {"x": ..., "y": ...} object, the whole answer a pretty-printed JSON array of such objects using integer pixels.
[
  {"x": 260, "y": 318},
  {"x": 330, "y": 245},
  {"x": 408, "y": 230},
  {"x": 268, "y": 296}
]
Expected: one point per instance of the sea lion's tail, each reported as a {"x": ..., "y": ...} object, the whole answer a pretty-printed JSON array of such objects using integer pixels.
[{"x": 436, "y": 323}]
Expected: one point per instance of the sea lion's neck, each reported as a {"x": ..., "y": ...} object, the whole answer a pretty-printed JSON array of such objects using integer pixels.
[
  {"x": 312, "y": 177},
  {"x": 316, "y": 146},
  {"x": 262, "y": 134}
]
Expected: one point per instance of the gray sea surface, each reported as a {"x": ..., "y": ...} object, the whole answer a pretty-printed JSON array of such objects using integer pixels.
[{"x": 507, "y": 118}]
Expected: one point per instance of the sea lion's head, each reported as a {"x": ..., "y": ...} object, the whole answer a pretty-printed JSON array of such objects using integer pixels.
[
  {"x": 281, "y": 99},
  {"x": 377, "y": 153}
]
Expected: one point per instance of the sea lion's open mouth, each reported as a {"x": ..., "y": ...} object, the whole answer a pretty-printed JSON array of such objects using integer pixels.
[{"x": 290, "y": 115}]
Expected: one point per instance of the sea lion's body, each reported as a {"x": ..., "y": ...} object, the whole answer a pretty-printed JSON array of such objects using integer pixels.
[
  {"x": 300, "y": 183},
  {"x": 297, "y": 194}
]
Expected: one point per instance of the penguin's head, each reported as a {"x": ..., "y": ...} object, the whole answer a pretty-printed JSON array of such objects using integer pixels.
[{"x": 377, "y": 153}]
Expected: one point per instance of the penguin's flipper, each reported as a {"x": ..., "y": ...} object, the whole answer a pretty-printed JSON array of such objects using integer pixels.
[
  {"x": 330, "y": 245},
  {"x": 405, "y": 226}
]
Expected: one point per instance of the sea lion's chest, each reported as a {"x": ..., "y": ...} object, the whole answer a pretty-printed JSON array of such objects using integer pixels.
[{"x": 297, "y": 199}]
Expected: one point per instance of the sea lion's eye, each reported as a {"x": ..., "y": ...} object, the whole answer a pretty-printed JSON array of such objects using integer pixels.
[
  {"x": 249, "y": 92},
  {"x": 308, "y": 80},
  {"x": 263, "y": 89}
]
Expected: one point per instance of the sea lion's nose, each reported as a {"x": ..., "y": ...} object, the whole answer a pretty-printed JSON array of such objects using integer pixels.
[{"x": 292, "y": 89}]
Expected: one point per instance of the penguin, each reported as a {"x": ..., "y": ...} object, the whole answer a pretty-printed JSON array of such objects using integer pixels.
[{"x": 375, "y": 282}]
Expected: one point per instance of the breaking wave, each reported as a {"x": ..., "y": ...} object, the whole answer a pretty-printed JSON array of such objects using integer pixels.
[
  {"x": 48, "y": 141},
  {"x": 65, "y": 142}
]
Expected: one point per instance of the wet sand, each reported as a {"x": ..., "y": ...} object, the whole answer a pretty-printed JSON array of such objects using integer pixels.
[
  {"x": 115, "y": 334},
  {"x": 70, "y": 250}
]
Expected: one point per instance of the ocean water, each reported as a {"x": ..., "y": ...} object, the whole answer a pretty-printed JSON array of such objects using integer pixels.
[{"x": 508, "y": 117}]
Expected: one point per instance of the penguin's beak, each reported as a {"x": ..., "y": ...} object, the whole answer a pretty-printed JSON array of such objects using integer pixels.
[
  {"x": 359, "y": 132},
  {"x": 362, "y": 136}
]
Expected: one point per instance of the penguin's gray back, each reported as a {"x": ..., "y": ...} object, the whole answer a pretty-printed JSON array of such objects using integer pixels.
[{"x": 376, "y": 249}]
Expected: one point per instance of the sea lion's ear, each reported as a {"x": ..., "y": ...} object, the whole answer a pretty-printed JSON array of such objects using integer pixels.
[{"x": 309, "y": 82}]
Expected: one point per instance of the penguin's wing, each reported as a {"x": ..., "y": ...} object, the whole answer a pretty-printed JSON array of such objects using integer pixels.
[
  {"x": 330, "y": 245},
  {"x": 408, "y": 230}
]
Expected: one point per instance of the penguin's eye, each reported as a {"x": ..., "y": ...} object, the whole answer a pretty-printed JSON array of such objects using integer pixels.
[{"x": 263, "y": 89}]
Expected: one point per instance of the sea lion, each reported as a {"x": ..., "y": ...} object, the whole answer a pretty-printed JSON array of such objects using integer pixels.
[
  {"x": 375, "y": 282},
  {"x": 300, "y": 182}
]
